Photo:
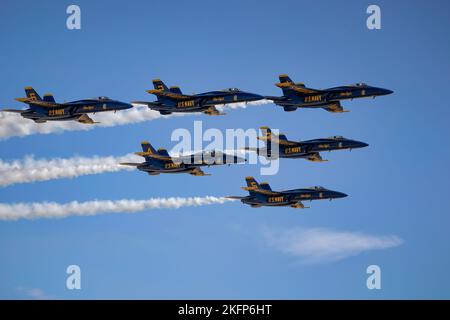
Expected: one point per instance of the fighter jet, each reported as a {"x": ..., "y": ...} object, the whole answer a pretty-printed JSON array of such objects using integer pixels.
[
  {"x": 261, "y": 195},
  {"x": 159, "y": 161},
  {"x": 297, "y": 95},
  {"x": 172, "y": 100},
  {"x": 278, "y": 146},
  {"x": 46, "y": 109}
]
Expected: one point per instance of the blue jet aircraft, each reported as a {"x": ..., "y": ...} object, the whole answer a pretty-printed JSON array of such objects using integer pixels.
[
  {"x": 261, "y": 195},
  {"x": 46, "y": 109},
  {"x": 297, "y": 95}
]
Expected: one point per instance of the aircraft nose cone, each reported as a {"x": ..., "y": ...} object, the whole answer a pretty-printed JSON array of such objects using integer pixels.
[
  {"x": 361, "y": 144},
  {"x": 341, "y": 195},
  {"x": 125, "y": 106},
  {"x": 385, "y": 92}
]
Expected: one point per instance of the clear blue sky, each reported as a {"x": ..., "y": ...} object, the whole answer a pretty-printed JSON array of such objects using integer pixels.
[{"x": 397, "y": 186}]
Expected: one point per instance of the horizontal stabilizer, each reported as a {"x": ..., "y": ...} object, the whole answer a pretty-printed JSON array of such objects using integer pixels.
[
  {"x": 152, "y": 155},
  {"x": 296, "y": 88},
  {"x": 261, "y": 191},
  {"x": 12, "y": 110},
  {"x": 132, "y": 164},
  {"x": 168, "y": 94},
  {"x": 280, "y": 139},
  {"x": 145, "y": 103}
]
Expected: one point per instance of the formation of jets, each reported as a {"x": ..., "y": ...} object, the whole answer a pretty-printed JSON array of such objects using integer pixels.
[{"x": 172, "y": 100}]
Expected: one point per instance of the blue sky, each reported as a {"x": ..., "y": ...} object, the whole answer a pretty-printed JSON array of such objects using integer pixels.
[{"x": 397, "y": 187}]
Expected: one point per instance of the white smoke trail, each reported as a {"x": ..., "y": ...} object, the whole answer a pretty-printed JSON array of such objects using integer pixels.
[
  {"x": 37, "y": 210},
  {"x": 30, "y": 170},
  {"x": 14, "y": 125}
]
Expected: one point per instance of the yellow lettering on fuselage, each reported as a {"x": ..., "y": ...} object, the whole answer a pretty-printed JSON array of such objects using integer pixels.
[
  {"x": 88, "y": 108},
  {"x": 305, "y": 196},
  {"x": 56, "y": 112},
  {"x": 293, "y": 150},
  {"x": 275, "y": 199},
  {"x": 185, "y": 104},
  {"x": 171, "y": 165},
  {"x": 218, "y": 99},
  {"x": 345, "y": 94},
  {"x": 324, "y": 146},
  {"x": 316, "y": 98}
]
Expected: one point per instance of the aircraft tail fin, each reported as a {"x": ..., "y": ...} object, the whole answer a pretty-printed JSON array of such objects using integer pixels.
[
  {"x": 48, "y": 97},
  {"x": 32, "y": 94},
  {"x": 265, "y": 186},
  {"x": 163, "y": 152},
  {"x": 159, "y": 85},
  {"x": 284, "y": 78},
  {"x": 252, "y": 183},
  {"x": 175, "y": 89},
  {"x": 147, "y": 149},
  {"x": 268, "y": 135}
]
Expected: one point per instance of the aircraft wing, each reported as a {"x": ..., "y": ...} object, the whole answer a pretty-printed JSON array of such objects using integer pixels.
[
  {"x": 212, "y": 111},
  {"x": 315, "y": 157},
  {"x": 334, "y": 107},
  {"x": 84, "y": 118},
  {"x": 298, "y": 205},
  {"x": 169, "y": 94},
  {"x": 198, "y": 172}
]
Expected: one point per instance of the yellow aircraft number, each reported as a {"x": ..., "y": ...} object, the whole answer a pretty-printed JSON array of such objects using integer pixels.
[
  {"x": 315, "y": 98},
  {"x": 56, "y": 112},
  {"x": 275, "y": 199},
  {"x": 292, "y": 150},
  {"x": 171, "y": 165},
  {"x": 185, "y": 104}
]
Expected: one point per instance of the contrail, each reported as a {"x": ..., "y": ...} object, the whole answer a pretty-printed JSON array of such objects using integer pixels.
[
  {"x": 16, "y": 211},
  {"x": 30, "y": 170},
  {"x": 13, "y": 125}
]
